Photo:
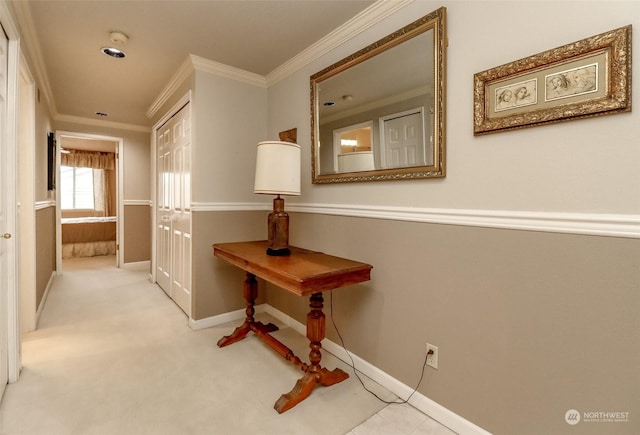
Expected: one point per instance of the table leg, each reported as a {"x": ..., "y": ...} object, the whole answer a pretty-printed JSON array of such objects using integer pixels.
[
  {"x": 315, "y": 374},
  {"x": 249, "y": 324}
]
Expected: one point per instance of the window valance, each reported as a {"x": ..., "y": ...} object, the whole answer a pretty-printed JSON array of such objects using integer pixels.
[{"x": 88, "y": 159}]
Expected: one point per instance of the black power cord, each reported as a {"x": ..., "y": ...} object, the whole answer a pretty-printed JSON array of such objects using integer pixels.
[{"x": 356, "y": 371}]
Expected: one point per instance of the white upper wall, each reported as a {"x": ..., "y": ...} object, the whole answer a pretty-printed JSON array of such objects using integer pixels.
[
  {"x": 584, "y": 166},
  {"x": 229, "y": 118}
]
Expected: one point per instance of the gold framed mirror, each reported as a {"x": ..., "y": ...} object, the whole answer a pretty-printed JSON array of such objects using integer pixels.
[{"x": 379, "y": 114}]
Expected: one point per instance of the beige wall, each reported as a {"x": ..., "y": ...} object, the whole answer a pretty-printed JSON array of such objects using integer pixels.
[
  {"x": 521, "y": 318},
  {"x": 528, "y": 325},
  {"x": 218, "y": 285},
  {"x": 137, "y": 233},
  {"x": 45, "y": 250},
  {"x": 45, "y": 233}
]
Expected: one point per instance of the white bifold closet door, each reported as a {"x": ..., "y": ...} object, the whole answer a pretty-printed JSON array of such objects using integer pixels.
[{"x": 173, "y": 230}]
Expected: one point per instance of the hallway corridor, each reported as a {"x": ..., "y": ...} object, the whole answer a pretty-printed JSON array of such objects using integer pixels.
[{"x": 113, "y": 355}]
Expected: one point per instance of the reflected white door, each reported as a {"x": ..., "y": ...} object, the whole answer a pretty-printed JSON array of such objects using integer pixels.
[
  {"x": 403, "y": 140},
  {"x": 5, "y": 239},
  {"x": 173, "y": 228}
]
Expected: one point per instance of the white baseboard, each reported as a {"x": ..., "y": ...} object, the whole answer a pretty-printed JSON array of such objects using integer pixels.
[
  {"x": 137, "y": 265},
  {"x": 44, "y": 298},
  {"x": 220, "y": 319},
  {"x": 434, "y": 410}
]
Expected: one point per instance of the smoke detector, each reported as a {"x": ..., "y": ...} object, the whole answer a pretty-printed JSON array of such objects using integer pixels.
[{"x": 118, "y": 37}]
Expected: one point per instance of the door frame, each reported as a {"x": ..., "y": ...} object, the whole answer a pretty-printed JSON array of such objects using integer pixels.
[
  {"x": 27, "y": 199},
  {"x": 186, "y": 99},
  {"x": 10, "y": 142},
  {"x": 119, "y": 195}
]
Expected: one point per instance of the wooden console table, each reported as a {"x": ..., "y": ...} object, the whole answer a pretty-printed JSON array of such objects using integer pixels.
[{"x": 304, "y": 273}]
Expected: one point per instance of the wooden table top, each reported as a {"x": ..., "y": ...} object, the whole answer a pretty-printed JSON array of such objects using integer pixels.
[{"x": 304, "y": 272}]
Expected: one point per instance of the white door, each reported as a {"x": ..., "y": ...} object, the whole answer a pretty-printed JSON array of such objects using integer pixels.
[
  {"x": 6, "y": 242},
  {"x": 403, "y": 136},
  {"x": 173, "y": 220}
]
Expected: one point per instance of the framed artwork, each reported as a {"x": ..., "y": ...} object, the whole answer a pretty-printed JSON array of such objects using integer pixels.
[
  {"x": 51, "y": 161},
  {"x": 587, "y": 78}
]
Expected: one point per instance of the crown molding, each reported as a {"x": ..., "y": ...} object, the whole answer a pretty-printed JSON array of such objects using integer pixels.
[
  {"x": 100, "y": 123},
  {"x": 185, "y": 69},
  {"x": 230, "y": 72},
  {"x": 8, "y": 23},
  {"x": 28, "y": 31},
  {"x": 358, "y": 24},
  {"x": 367, "y": 18},
  {"x": 196, "y": 63},
  {"x": 29, "y": 40}
]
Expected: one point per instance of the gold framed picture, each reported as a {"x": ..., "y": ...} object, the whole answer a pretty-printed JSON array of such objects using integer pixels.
[{"x": 591, "y": 77}]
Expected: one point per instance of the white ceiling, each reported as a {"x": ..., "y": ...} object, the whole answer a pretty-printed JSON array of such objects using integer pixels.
[{"x": 256, "y": 36}]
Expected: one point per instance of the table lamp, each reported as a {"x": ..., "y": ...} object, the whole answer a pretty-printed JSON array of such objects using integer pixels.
[{"x": 278, "y": 173}]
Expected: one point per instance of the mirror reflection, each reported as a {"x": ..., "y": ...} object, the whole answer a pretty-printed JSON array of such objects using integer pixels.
[{"x": 378, "y": 114}]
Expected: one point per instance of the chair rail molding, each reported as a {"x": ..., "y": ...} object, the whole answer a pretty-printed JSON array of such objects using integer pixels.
[
  {"x": 40, "y": 205},
  {"x": 230, "y": 206},
  {"x": 146, "y": 202},
  {"x": 593, "y": 224},
  {"x": 611, "y": 225}
]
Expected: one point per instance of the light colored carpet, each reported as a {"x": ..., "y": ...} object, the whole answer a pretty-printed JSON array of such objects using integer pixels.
[{"x": 114, "y": 355}]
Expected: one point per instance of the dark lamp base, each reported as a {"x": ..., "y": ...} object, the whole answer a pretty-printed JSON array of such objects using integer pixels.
[
  {"x": 278, "y": 252},
  {"x": 278, "y": 228}
]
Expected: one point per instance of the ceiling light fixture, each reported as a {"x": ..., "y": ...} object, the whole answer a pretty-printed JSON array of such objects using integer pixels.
[
  {"x": 113, "y": 52},
  {"x": 118, "y": 38}
]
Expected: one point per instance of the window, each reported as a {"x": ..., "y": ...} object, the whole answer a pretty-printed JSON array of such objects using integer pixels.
[{"x": 76, "y": 188}]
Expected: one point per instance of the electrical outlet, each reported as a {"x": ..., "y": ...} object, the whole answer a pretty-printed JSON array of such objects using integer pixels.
[{"x": 432, "y": 359}]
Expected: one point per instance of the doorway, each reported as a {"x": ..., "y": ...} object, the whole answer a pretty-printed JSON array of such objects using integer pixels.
[{"x": 89, "y": 219}]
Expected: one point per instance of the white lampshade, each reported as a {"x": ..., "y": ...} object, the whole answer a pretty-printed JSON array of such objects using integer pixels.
[{"x": 278, "y": 168}]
